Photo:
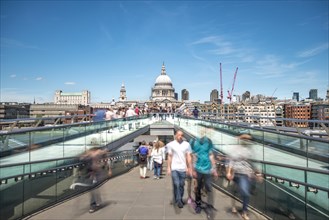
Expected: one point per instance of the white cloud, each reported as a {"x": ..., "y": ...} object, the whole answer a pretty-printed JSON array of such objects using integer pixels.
[
  {"x": 225, "y": 48},
  {"x": 209, "y": 39},
  {"x": 69, "y": 83},
  {"x": 38, "y": 78},
  {"x": 12, "y": 76},
  {"x": 314, "y": 51}
]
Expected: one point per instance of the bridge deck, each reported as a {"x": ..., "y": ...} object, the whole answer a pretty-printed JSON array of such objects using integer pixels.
[{"x": 129, "y": 197}]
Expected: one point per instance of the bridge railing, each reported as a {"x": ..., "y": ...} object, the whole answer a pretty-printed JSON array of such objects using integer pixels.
[
  {"x": 295, "y": 167},
  {"x": 33, "y": 190},
  {"x": 30, "y": 144},
  {"x": 286, "y": 191}
]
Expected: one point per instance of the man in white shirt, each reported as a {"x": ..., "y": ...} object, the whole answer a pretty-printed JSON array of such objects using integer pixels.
[
  {"x": 109, "y": 114},
  {"x": 130, "y": 112},
  {"x": 179, "y": 161}
]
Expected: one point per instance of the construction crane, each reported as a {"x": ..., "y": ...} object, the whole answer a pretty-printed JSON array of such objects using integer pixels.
[
  {"x": 230, "y": 93},
  {"x": 221, "y": 84},
  {"x": 273, "y": 95}
]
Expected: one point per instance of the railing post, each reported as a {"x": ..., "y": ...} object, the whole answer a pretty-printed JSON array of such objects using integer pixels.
[{"x": 305, "y": 196}]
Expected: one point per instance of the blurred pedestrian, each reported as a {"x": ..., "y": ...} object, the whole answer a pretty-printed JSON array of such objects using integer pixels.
[
  {"x": 97, "y": 170},
  {"x": 109, "y": 114},
  {"x": 130, "y": 112},
  {"x": 242, "y": 172},
  {"x": 204, "y": 168}
]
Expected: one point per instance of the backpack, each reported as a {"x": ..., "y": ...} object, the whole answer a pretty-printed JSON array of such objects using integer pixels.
[{"x": 143, "y": 151}]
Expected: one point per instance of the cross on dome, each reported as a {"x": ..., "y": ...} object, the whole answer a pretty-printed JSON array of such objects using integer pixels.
[{"x": 163, "y": 69}]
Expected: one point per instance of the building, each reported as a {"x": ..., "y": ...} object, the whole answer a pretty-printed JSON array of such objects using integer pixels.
[
  {"x": 74, "y": 98},
  {"x": 53, "y": 110},
  {"x": 163, "y": 92},
  {"x": 327, "y": 96},
  {"x": 246, "y": 96},
  {"x": 214, "y": 96},
  {"x": 295, "y": 96},
  {"x": 320, "y": 111},
  {"x": 176, "y": 96},
  {"x": 313, "y": 94},
  {"x": 13, "y": 110},
  {"x": 163, "y": 88},
  {"x": 123, "y": 93},
  {"x": 297, "y": 112},
  {"x": 266, "y": 110},
  {"x": 185, "y": 95}
]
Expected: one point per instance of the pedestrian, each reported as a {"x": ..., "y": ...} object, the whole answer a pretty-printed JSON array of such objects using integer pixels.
[
  {"x": 149, "y": 156},
  {"x": 179, "y": 162},
  {"x": 142, "y": 159},
  {"x": 109, "y": 114},
  {"x": 97, "y": 170},
  {"x": 130, "y": 112},
  {"x": 137, "y": 111},
  {"x": 158, "y": 156},
  {"x": 242, "y": 172},
  {"x": 195, "y": 112},
  {"x": 204, "y": 168}
]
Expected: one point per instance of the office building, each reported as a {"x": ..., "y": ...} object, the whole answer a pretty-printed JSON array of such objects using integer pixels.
[
  {"x": 214, "y": 96},
  {"x": 313, "y": 94},
  {"x": 73, "y": 98},
  {"x": 295, "y": 96},
  {"x": 185, "y": 95},
  {"x": 297, "y": 112}
]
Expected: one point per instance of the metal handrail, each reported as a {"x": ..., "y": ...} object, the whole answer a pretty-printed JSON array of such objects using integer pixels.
[
  {"x": 263, "y": 129},
  {"x": 308, "y": 185},
  {"x": 279, "y": 119},
  {"x": 61, "y": 167},
  {"x": 285, "y": 165},
  {"x": 48, "y": 160},
  {"x": 24, "y": 130}
]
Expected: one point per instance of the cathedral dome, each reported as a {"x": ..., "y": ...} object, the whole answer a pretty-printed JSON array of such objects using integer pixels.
[
  {"x": 163, "y": 88},
  {"x": 163, "y": 80}
]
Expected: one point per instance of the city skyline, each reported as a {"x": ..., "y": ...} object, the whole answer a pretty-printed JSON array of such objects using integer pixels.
[{"x": 279, "y": 47}]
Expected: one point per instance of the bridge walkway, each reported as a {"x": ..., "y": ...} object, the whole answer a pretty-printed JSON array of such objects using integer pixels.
[{"x": 129, "y": 197}]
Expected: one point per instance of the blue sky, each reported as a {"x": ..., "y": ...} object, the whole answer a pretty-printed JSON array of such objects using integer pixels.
[{"x": 97, "y": 45}]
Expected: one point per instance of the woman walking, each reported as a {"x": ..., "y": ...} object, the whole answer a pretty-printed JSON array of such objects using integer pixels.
[{"x": 158, "y": 156}]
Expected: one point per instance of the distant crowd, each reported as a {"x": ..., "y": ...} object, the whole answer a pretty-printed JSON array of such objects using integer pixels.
[{"x": 158, "y": 111}]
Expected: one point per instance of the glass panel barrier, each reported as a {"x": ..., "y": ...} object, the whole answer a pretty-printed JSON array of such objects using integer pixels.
[
  {"x": 64, "y": 140},
  {"x": 283, "y": 196},
  {"x": 314, "y": 211},
  {"x": 23, "y": 195}
]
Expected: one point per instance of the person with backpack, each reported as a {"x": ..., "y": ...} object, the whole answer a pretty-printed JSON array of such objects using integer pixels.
[{"x": 143, "y": 151}]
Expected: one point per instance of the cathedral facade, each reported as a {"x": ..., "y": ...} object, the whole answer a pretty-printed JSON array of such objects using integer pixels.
[{"x": 163, "y": 92}]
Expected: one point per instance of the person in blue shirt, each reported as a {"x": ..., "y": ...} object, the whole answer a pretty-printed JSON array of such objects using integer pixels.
[
  {"x": 204, "y": 168},
  {"x": 195, "y": 112}
]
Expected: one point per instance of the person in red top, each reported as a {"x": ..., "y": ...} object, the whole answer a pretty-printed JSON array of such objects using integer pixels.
[{"x": 137, "y": 110}]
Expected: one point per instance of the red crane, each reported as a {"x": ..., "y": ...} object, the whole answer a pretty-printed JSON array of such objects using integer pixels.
[
  {"x": 221, "y": 84},
  {"x": 228, "y": 91}
]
